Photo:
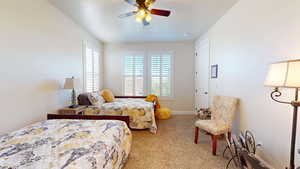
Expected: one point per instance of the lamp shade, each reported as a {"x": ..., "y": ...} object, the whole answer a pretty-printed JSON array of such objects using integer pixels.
[
  {"x": 72, "y": 83},
  {"x": 284, "y": 74}
]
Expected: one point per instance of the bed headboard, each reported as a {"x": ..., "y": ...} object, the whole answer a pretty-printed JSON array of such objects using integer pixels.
[{"x": 83, "y": 99}]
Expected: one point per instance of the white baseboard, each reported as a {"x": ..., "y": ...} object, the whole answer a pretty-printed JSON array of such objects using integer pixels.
[{"x": 183, "y": 112}]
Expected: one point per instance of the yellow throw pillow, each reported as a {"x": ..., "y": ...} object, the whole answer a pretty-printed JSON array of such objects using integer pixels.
[
  {"x": 151, "y": 98},
  {"x": 163, "y": 113},
  {"x": 108, "y": 95}
]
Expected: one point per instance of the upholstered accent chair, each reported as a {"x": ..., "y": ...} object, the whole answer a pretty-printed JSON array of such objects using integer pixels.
[{"x": 222, "y": 116}]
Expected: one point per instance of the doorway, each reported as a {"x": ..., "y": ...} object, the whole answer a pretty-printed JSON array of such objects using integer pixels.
[{"x": 202, "y": 72}]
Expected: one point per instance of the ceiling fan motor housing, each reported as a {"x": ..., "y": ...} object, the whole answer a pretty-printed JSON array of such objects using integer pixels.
[{"x": 144, "y": 13}]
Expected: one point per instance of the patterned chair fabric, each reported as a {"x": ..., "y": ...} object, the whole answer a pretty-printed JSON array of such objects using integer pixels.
[{"x": 222, "y": 112}]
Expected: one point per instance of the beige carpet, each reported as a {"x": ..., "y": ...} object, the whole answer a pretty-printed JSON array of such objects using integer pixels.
[{"x": 173, "y": 148}]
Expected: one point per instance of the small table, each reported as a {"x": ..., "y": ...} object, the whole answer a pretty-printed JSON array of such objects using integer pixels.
[{"x": 77, "y": 110}]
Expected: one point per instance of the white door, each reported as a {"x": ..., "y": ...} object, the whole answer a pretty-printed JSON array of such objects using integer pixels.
[{"x": 202, "y": 74}]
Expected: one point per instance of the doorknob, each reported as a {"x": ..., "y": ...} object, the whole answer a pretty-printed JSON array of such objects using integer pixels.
[{"x": 205, "y": 92}]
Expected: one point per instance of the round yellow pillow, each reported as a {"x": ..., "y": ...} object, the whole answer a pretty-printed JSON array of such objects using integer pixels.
[
  {"x": 107, "y": 95},
  {"x": 163, "y": 113}
]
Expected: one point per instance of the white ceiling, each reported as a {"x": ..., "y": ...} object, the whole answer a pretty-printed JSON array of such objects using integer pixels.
[{"x": 189, "y": 19}]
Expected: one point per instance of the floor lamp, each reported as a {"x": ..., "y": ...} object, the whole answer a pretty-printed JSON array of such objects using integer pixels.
[{"x": 286, "y": 74}]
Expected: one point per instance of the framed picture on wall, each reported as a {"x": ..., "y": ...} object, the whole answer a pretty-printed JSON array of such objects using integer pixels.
[{"x": 214, "y": 71}]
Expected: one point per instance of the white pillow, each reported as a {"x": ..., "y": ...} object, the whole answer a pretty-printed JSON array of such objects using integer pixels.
[{"x": 96, "y": 99}]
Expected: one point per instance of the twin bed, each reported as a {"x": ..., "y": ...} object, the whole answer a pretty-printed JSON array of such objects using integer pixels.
[
  {"x": 140, "y": 112},
  {"x": 78, "y": 144},
  {"x": 67, "y": 144}
]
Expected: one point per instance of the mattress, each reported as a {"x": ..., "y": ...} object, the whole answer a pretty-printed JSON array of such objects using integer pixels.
[
  {"x": 67, "y": 144},
  {"x": 140, "y": 112}
]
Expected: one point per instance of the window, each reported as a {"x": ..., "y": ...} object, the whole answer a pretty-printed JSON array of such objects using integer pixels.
[
  {"x": 134, "y": 75},
  {"x": 145, "y": 74},
  {"x": 160, "y": 75},
  {"x": 91, "y": 69}
]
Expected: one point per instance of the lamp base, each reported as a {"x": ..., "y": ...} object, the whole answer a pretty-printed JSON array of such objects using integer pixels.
[{"x": 295, "y": 104}]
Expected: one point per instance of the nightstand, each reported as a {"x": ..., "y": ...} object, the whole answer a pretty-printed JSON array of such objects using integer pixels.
[{"x": 73, "y": 111}]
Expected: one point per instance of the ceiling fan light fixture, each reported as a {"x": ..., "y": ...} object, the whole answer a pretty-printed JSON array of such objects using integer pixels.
[
  {"x": 142, "y": 13},
  {"x": 148, "y": 18},
  {"x": 139, "y": 18},
  {"x": 148, "y": 3}
]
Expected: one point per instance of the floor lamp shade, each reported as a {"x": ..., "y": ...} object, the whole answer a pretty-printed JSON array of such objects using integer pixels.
[{"x": 284, "y": 74}]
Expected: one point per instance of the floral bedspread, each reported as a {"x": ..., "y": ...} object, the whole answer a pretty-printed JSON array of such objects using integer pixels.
[
  {"x": 67, "y": 144},
  {"x": 140, "y": 112}
]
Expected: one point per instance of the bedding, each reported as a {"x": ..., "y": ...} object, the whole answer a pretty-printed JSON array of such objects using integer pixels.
[
  {"x": 96, "y": 99},
  {"x": 140, "y": 112},
  {"x": 67, "y": 144}
]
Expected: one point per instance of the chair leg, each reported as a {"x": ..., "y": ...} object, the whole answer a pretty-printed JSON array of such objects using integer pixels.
[
  {"x": 196, "y": 135},
  {"x": 214, "y": 140}
]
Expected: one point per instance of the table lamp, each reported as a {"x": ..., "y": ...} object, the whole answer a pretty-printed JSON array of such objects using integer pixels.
[
  {"x": 72, "y": 83},
  {"x": 286, "y": 74}
]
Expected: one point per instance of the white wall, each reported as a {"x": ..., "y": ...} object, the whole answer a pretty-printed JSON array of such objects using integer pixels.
[
  {"x": 183, "y": 69},
  {"x": 250, "y": 36},
  {"x": 39, "y": 48}
]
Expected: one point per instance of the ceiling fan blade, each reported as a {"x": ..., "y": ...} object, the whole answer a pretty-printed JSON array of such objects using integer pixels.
[
  {"x": 145, "y": 22},
  {"x": 128, "y": 14},
  {"x": 131, "y": 2},
  {"x": 160, "y": 12}
]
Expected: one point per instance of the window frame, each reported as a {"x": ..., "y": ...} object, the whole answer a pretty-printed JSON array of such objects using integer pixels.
[
  {"x": 149, "y": 82},
  {"x": 95, "y": 49},
  {"x": 147, "y": 71},
  {"x": 134, "y": 54}
]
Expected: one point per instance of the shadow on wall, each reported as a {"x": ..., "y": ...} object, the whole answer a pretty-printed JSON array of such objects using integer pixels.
[
  {"x": 50, "y": 86},
  {"x": 237, "y": 122},
  {"x": 54, "y": 93}
]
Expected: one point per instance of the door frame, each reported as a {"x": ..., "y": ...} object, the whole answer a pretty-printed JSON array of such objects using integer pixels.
[{"x": 198, "y": 43}]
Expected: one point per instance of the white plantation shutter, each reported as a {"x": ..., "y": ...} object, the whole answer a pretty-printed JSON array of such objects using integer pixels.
[
  {"x": 128, "y": 77},
  {"x": 89, "y": 69},
  {"x": 160, "y": 74},
  {"x": 148, "y": 74},
  {"x": 92, "y": 69},
  {"x": 96, "y": 72},
  {"x": 134, "y": 75}
]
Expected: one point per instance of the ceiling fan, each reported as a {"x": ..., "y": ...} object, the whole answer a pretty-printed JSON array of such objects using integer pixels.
[{"x": 143, "y": 13}]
